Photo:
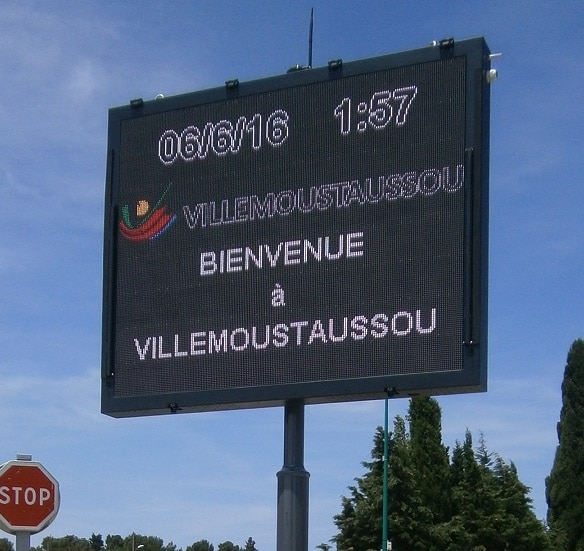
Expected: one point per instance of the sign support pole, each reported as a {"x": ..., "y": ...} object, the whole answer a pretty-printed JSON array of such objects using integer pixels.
[
  {"x": 22, "y": 541},
  {"x": 292, "y": 527}
]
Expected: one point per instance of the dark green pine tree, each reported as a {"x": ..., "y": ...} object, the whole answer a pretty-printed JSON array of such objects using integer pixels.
[
  {"x": 475, "y": 502},
  {"x": 431, "y": 464},
  {"x": 96, "y": 542},
  {"x": 471, "y": 497},
  {"x": 418, "y": 487},
  {"x": 113, "y": 542},
  {"x": 201, "y": 545},
  {"x": 228, "y": 546},
  {"x": 405, "y": 503},
  {"x": 565, "y": 484},
  {"x": 517, "y": 525},
  {"x": 492, "y": 508},
  {"x": 65, "y": 543}
]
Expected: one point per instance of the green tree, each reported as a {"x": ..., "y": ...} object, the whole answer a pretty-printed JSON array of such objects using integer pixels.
[
  {"x": 429, "y": 456},
  {"x": 518, "y": 527},
  {"x": 148, "y": 543},
  {"x": 65, "y": 543},
  {"x": 250, "y": 545},
  {"x": 418, "y": 484},
  {"x": 492, "y": 507},
  {"x": 113, "y": 542},
  {"x": 431, "y": 465},
  {"x": 96, "y": 542},
  {"x": 228, "y": 546},
  {"x": 405, "y": 501},
  {"x": 6, "y": 545},
  {"x": 565, "y": 484},
  {"x": 472, "y": 502},
  {"x": 201, "y": 545},
  {"x": 473, "y": 497}
]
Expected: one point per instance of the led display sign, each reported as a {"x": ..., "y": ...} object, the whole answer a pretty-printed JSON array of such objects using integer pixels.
[{"x": 317, "y": 235}]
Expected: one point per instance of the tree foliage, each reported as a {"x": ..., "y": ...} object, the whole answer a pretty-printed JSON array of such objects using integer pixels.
[
  {"x": 565, "y": 484},
  {"x": 132, "y": 542},
  {"x": 65, "y": 543},
  {"x": 473, "y": 501},
  {"x": 201, "y": 545},
  {"x": 96, "y": 542},
  {"x": 114, "y": 542},
  {"x": 228, "y": 546}
]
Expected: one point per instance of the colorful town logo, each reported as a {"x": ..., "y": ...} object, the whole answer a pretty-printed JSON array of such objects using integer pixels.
[{"x": 149, "y": 223}]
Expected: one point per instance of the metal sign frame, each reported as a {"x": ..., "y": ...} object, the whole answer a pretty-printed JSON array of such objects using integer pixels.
[{"x": 144, "y": 373}]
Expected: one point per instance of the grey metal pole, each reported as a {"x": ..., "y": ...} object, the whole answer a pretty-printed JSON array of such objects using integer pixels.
[
  {"x": 22, "y": 541},
  {"x": 292, "y": 528},
  {"x": 23, "y": 538}
]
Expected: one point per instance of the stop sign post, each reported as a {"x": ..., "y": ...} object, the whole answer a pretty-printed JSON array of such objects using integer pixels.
[{"x": 29, "y": 498}]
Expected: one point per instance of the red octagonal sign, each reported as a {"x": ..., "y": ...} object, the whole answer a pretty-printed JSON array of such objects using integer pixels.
[{"x": 29, "y": 497}]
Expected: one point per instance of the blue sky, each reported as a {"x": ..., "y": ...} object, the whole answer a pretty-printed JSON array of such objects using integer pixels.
[{"x": 213, "y": 475}]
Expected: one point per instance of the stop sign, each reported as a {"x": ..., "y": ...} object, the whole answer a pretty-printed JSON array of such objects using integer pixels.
[{"x": 29, "y": 497}]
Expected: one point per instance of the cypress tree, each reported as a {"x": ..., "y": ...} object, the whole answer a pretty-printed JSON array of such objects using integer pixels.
[
  {"x": 430, "y": 457},
  {"x": 565, "y": 484},
  {"x": 431, "y": 465},
  {"x": 405, "y": 502}
]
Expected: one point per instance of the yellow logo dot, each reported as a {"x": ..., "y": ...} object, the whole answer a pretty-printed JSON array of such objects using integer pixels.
[{"x": 142, "y": 207}]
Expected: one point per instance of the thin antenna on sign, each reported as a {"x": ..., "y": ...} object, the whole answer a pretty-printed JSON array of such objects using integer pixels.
[
  {"x": 310, "y": 34},
  {"x": 295, "y": 68}
]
